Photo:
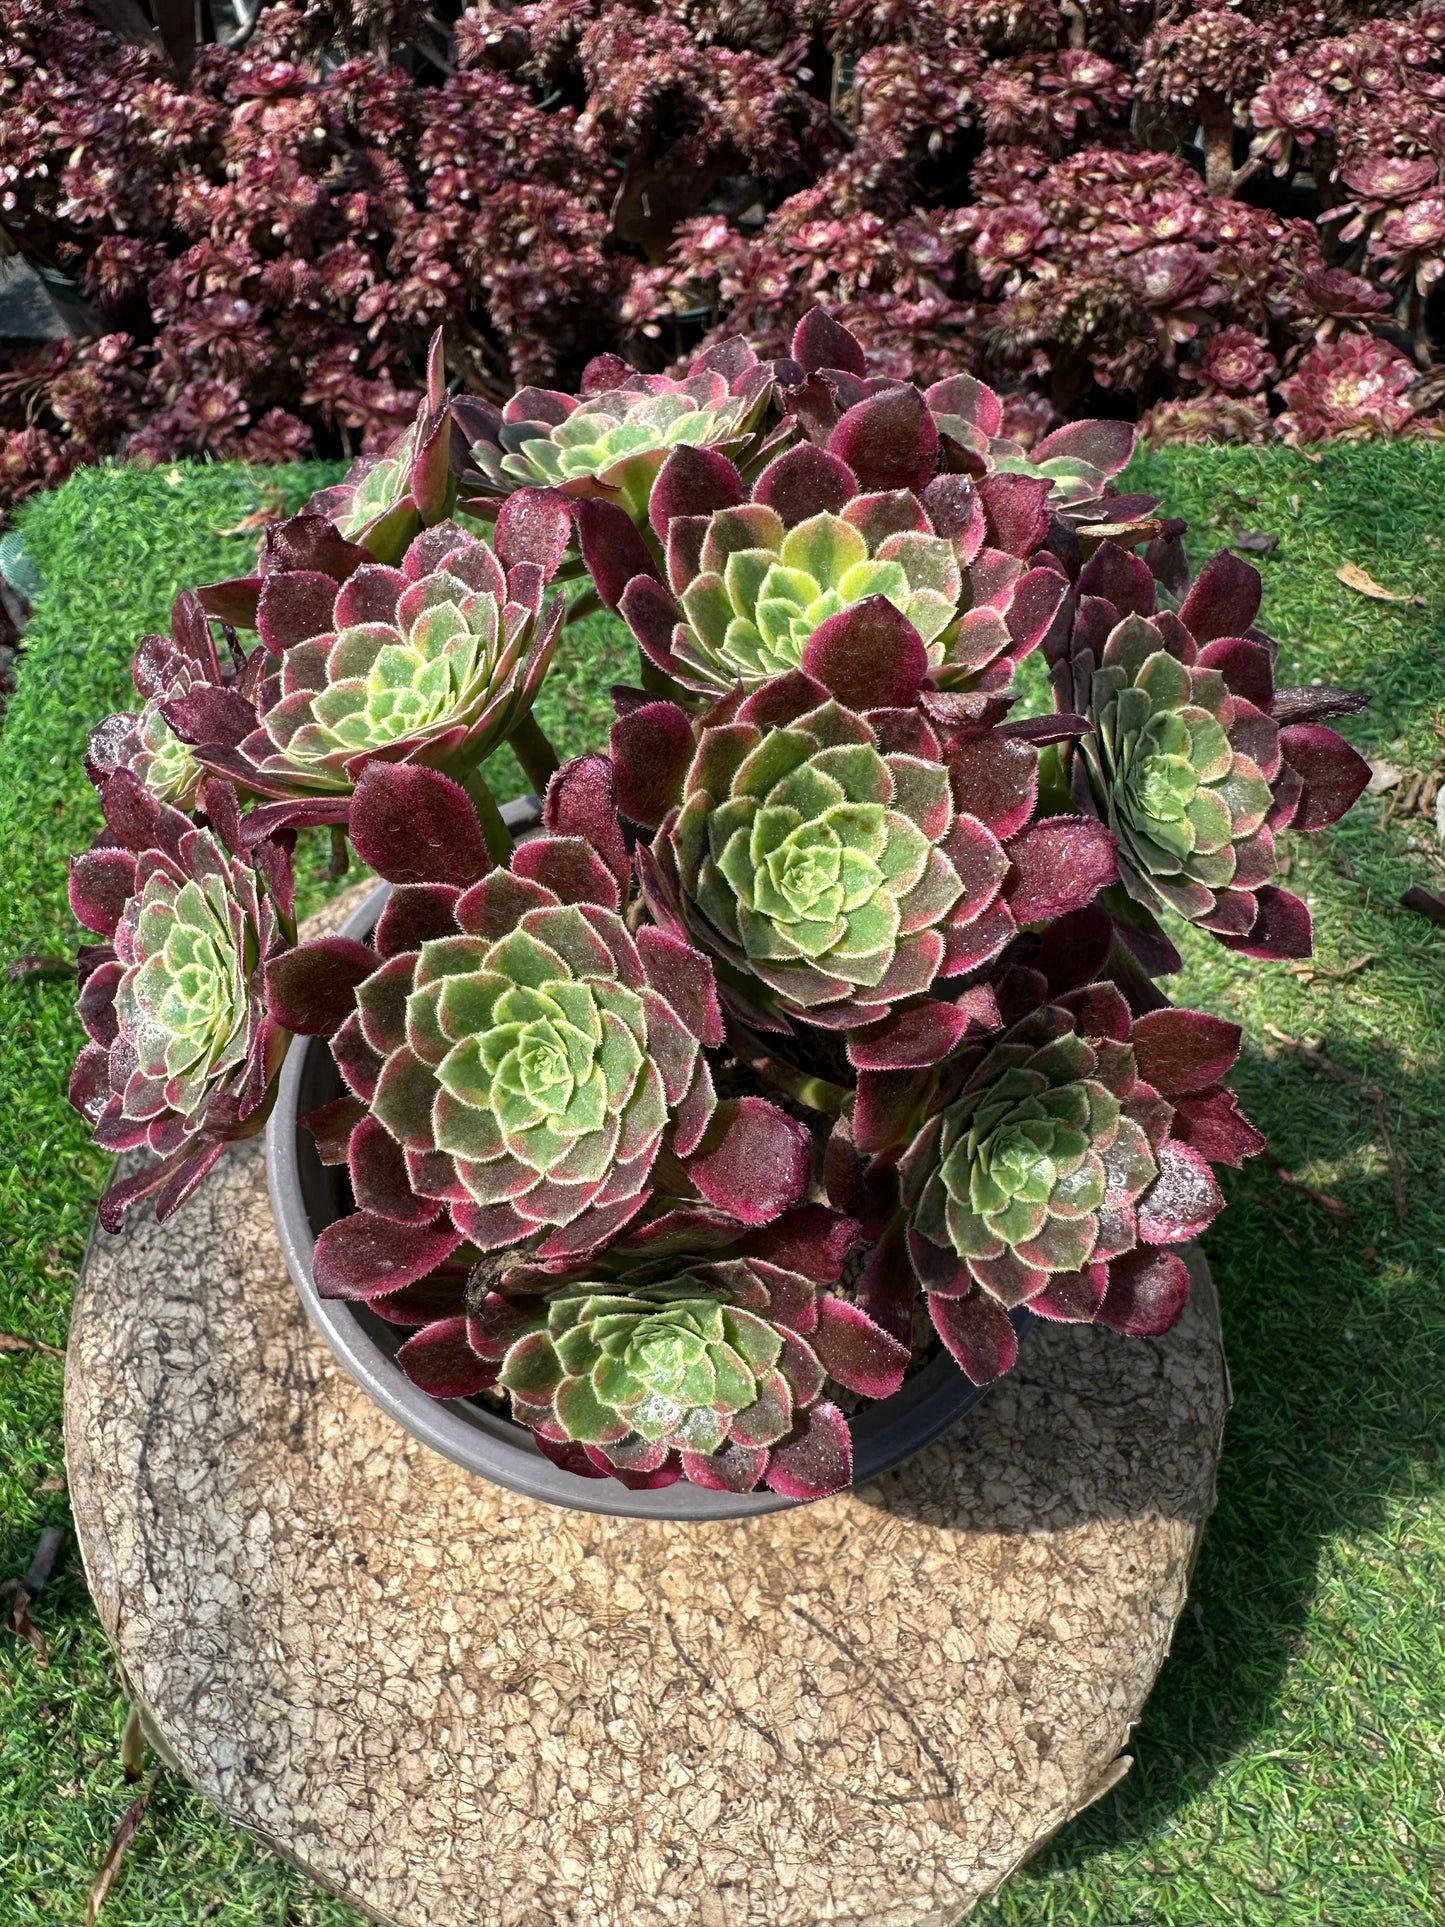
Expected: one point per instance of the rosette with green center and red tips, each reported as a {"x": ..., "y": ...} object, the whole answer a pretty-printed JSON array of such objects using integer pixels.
[
  {"x": 694, "y": 1347},
  {"x": 1050, "y": 1161},
  {"x": 836, "y": 861},
  {"x": 1194, "y": 758},
  {"x": 610, "y": 441},
  {"x": 183, "y": 1043},
  {"x": 435, "y": 662},
  {"x": 754, "y": 575},
  {"x": 530, "y": 1068}
]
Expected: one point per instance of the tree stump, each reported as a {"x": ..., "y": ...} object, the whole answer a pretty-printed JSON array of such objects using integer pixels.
[{"x": 453, "y": 1705}]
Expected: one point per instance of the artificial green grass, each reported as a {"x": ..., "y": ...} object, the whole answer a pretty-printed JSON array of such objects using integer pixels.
[{"x": 1289, "y": 1762}]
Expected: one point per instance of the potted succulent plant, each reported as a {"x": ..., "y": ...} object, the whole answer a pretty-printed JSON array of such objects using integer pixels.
[{"x": 706, "y": 1140}]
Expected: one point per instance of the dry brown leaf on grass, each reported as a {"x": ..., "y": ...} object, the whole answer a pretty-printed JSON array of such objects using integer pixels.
[
  {"x": 126, "y": 1829},
  {"x": 1354, "y": 577},
  {"x": 257, "y": 519},
  {"x": 10, "y": 1343},
  {"x": 23, "y": 1593}
]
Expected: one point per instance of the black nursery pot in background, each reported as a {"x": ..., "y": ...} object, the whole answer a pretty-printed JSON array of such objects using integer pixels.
[{"x": 307, "y": 1195}]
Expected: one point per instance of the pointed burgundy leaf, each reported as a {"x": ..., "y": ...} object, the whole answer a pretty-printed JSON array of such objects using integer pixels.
[
  {"x": 1058, "y": 865},
  {"x": 1017, "y": 519},
  {"x": 1224, "y": 600},
  {"x": 821, "y": 342},
  {"x": 364, "y": 1256},
  {"x": 1183, "y": 1200},
  {"x": 413, "y": 914},
  {"x": 978, "y": 1332},
  {"x": 439, "y": 1360},
  {"x": 1072, "y": 1297},
  {"x": 1119, "y": 578},
  {"x": 612, "y": 548},
  {"x": 1333, "y": 775},
  {"x": 533, "y": 525},
  {"x": 889, "y": 440},
  {"x": 685, "y": 978},
  {"x": 754, "y": 1160},
  {"x": 652, "y": 749},
  {"x": 1212, "y": 1123},
  {"x": 868, "y": 656},
  {"x": 857, "y": 1353},
  {"x": 581, "y": 800},
  {"x": 816, "y": 1459},
  {"x": 803, "y": 481},
  {"x": 414, "y": 825},
  {"x": 1146, "y": 1293},
  {"x": 1281, "y": 928},
  {"x": 910, "y": 1038},
  {"x": 102, "y": 882},
  {"x": 1183, "y": 1051},
  {"x": 311, "y": 990},
  {"x": 293, "y": 608},
  {"x": 692, "y": 481}
]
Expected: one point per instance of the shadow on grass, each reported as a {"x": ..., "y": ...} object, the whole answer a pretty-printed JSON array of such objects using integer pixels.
[{"x": 1333, "y": 1334}]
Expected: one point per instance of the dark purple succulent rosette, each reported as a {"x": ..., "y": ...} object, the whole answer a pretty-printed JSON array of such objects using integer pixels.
[
  {"x": 753, "y": 575},
  {"x": 892, "y": 435},
  {"x": 183, "y": 1044},
  {"x": 843, "y": 837},
  {"x": 1051, "y": 1159},
  {"x": 1194, "y": 758},
  {"x": 523, "y": 1068}
]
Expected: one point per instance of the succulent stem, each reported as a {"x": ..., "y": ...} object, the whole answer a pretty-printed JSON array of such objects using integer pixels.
[
  {"x": 495, "y": 834},
  {"x": 336, "y": 865},
  {"x": 534, "y": 752},
  {"x": 584, "y": 605},
  {"x": 816, "y": 1092}
]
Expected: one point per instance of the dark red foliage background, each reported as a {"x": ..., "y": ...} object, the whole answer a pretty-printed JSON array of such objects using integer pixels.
[{"x": 1226, "y": 218}]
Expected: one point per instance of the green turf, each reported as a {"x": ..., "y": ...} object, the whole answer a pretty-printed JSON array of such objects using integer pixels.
[{"x": 1289, "y": 1763}]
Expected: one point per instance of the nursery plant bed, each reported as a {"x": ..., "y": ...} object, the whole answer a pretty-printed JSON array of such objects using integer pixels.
[{"x": 447, "y": 1702}]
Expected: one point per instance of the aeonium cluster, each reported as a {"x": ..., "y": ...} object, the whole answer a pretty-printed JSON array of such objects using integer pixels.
[{"x": 813, "y": 1031}]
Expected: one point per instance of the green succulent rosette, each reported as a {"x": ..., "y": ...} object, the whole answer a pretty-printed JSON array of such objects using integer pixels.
[
  {"x": 1187, "y": 803},
  {"x": 764, "y": 588},
  {"x": 1014, "y": 1174},
  {"x": 611, "y": 440},
  {"x": 709, "y": 1367},
  {"x": 183, "y": 1044},
  {"x": 670, "y": 1364},
  {"x": 435, "y": 662},
  {"x": 823, "y": 865}
]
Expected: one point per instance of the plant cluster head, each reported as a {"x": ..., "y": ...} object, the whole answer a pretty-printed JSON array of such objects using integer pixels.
[
  {"x": 1194, "y": 757},
  {"x": 611, "y": 440},
  {"x": 183, "y": 1046},
  {"x": 816, "y": 1025},
  {"x": 434, "y": 661},
  {"x": 531, "y": 1071},
  {"x": 751, "y": 576}
]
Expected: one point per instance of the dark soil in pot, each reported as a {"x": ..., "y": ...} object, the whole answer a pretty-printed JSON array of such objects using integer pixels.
[{"x": 476, "y": 1433}]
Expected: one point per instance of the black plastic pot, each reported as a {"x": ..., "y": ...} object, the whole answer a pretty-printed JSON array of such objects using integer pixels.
[{"x": 307, "y": 1195}]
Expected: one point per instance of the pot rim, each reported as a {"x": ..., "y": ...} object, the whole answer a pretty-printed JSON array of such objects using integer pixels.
[{"x": 493, "y": 1447}]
